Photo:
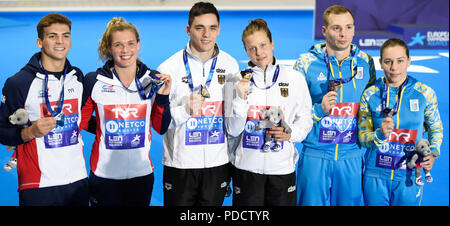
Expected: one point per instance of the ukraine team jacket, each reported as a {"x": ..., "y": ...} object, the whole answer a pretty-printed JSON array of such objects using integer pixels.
[
  {"x": 56, "y": 158},
  {"x": 123, "y": 138},
  {"x": 334, "y": 134},
  {"x": 289, "y": 92},
  {"x": 386, "y": 157},
  {"x": 198, "y": 140}
]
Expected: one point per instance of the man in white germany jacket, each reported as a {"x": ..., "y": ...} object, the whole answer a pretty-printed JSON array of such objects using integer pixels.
[{"x": 195, "y": 159}]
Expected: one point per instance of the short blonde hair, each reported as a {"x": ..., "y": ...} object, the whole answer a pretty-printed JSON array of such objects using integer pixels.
[
  {"x": 115, "y": 24},
  {"x": 254, "y": 26},
  {"x": 334, "y": 9}
]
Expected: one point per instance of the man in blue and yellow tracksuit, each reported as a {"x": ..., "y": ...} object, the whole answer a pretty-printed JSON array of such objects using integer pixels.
[{"x": 330, "y": 165}]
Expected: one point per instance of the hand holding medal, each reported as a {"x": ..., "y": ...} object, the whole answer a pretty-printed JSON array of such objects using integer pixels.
[
  {"x": 328, "y": 101},
  {"x": 387, "y": 125},
  {"x": 334, "y": 85},
  {"x": 243, "y": 86},
  {"x": 194, "y": 103},
  {"x": 247, "y": 74},
  {"x": 162, "y": 85}
]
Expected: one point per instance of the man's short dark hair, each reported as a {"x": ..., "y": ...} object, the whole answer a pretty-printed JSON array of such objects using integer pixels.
[
  {"x": 201, "y": 8},
  {"x": 49, "y": 19}
]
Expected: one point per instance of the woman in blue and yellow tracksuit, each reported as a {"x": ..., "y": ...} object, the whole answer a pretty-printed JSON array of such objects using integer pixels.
[{"x": 393, "y": 114}]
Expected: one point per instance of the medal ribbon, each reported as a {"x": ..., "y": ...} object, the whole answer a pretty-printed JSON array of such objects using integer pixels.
[
  {"x": 353, "y": 67},
  {"x": 61, "y": 96},
  {"x": 140, "y": 89},
  {"x": 188, "y": 71},
  {"x": 274, "y": 79},
  {"x": 384, "y": 94}
]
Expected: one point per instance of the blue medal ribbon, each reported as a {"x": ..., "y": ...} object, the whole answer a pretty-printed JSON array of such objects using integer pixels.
[
  {"x": 59, "y": 108},
  {"x": 384, "y": 94},
  {"x": 353, "y": 63},
  {"x": 141, "y": 90},
  {"x": 274, "y": 79},
  {"x": 189, "y": 75}
]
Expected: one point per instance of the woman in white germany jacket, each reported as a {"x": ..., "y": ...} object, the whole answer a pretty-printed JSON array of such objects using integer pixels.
[{"x": 266, "y": 176}]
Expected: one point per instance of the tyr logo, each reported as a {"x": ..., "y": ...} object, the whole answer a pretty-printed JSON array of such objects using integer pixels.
[
  {"x": 400, "y": 137},
  {"x": 347, "y": 110},
  {"x": 125, "y": 113},
  {"x": 67, "y": 108},
  {"x": 211, "y": 109},
  {"x": 403, "y": 136}
]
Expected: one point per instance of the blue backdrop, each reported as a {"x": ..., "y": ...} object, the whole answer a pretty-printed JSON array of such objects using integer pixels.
[{"x": 163, "y": 33}]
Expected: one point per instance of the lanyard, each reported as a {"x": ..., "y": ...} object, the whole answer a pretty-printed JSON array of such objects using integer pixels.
[
  {"x": 141, "y": 90},
  {"x": 384, "y": 94},
  {"x": 188, "y": 71},
  {"x": 61, "y": 96},
  {"x": 353, "y": 67},
  {"x": 274, "y": 79}
]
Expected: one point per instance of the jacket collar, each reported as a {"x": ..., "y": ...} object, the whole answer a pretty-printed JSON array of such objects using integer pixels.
[
  {"x": 191, "y": 55},
  {"x": 319, "y": 49},
  {"x": 105, "y": 74},
  {"x": 34, "y": 66},
  {"x": 257, "y": 68}
]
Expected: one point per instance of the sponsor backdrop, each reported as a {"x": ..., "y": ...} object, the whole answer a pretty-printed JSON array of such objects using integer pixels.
[
  {"x": 423, "y": 24},
  {"x": 164, "y": 32}
]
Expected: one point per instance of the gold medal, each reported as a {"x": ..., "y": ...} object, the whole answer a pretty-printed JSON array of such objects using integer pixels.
[
  {"x": 246, "y": 74},
  {"x": 204, "y": 92}
]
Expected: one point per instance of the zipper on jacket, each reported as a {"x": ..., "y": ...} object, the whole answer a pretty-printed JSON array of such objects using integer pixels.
[{"x": 398, "y": 116}]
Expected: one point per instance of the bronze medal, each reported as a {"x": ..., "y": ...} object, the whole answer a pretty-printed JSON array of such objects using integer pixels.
[{"x": 334, "y": 85}]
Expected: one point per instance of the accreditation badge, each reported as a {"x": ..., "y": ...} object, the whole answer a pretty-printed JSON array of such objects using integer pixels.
[
  {"x": 206, "y": 126},
  {"x": 399, "y": 147},
  {"x": 340, "y": 125}
]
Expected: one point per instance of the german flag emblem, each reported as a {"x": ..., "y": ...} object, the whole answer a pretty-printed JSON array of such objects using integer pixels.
[
  {"x": 284, "y": 92},
  {"x": 221, "y": 79}
]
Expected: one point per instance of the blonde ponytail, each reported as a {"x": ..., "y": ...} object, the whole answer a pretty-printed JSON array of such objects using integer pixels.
[{"x": 115, "y": 24}]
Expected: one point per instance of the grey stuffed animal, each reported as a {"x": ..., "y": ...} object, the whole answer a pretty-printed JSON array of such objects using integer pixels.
[
  {"x": 19, "y": 118},
  {"x": 422, "y": 150},
  {"x": 274, "y": 118}
]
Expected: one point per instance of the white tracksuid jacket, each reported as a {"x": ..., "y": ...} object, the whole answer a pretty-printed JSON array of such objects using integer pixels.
[
  {"x": 290, "y": 93},
  {"x": 123, "y": 138},
  {"x": 200, "y": 140}
]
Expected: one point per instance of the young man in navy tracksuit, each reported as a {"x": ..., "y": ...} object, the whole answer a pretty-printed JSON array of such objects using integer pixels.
[{"x": 50, "y": 161}]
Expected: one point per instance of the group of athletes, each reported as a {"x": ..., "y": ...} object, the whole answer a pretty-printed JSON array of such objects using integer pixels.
[{"x": 209, "y": 112}]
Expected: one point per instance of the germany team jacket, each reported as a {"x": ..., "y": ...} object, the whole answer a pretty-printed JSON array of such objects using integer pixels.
[
  {"x": 278, "y": 86},
  {"x": 198, "y": 140},
  {"x": 123, "y": 135},
  {"x": 56, "y": 158}
]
